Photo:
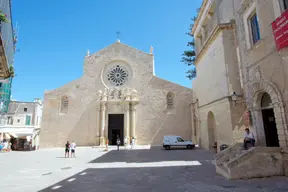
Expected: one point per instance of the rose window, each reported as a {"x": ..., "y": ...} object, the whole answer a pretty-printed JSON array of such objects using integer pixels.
[{"x": 117, "y": 75}]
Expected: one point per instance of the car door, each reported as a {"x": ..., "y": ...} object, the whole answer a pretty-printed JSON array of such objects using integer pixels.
[{"x": 180, "y": 142}]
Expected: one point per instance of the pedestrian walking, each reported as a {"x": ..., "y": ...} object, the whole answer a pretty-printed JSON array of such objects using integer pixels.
[
  {"x": 73, "y": 148},
  {"x": 132, "y": 142},
  {"x": 118, "y": 141},
  {"x": 67, "y": 148},
  {"x": 125, "y": 142}
]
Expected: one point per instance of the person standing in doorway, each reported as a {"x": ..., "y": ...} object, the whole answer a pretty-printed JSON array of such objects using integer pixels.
[
  {"x": 73, "y": 147},
  {"x": 67, "y": 147},
  {"x": 118, "y": 142}
]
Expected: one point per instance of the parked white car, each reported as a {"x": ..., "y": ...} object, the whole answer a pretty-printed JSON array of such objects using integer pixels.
[{"x": 170, "y": 141}]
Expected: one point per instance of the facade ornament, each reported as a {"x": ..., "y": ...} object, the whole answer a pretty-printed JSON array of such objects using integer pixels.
[
  {"x": 132, "y": 107},
  {"x": 99, "y": 94},
  {"x": 105, "y": 94},
  {"x": 88, "y": 53},
  {"x": 126, "y": 94},
  {"x": 110, "y": 93},
  {"x": 151, "y": 50},
  {"x": 134, "y": 94},
  {"x": 116, "y": 93}
]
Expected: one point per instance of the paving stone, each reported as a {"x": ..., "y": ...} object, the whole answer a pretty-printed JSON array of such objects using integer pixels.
[{"x": 80, "y": 175}]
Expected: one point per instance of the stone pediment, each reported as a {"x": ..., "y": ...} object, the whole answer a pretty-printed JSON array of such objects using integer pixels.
[
  {"x": 116, "y": 47},
  {"x": 118, "y": 95}
]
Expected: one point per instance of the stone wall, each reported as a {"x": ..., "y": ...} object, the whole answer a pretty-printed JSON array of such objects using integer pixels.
[
  {"x": 152, "y": 120},
  {"x": 264, "y": 68}
]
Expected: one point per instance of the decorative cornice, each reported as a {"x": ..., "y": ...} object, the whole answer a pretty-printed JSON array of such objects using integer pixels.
[
  {"x": 215, "y": 32},
  {"x": 244, "y": 6},
  {"x": 202, "y": 8}
]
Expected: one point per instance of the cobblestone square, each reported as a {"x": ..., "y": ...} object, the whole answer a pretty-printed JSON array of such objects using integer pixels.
[{"x": 124, "y": 170}]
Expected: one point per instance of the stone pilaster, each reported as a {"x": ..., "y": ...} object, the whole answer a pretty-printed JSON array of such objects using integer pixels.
[
  {"x": 132, "y": 121},
  {"x": 98, "y": 124},
  {"x": 127, "y": 123},
  {"x": 102, "y": 127},
  {"x": 203, "y": 35}
]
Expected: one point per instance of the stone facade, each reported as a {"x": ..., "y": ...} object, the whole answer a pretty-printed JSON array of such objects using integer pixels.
[
  {"x": 117, "y": 80},
  {"x": 264, "y": 68},
  {"x": 230, "y": 59},
  {"x": 218, "y": 75}
]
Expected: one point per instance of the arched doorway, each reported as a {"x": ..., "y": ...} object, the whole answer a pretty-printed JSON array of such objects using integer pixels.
[
  {"x": 269, "y": 122},
  {"x": 211, "y": 130}
]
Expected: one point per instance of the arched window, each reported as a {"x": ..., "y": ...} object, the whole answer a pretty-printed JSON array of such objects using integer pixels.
[
  {"x": 170, "y": 100},
  {"x": 64, "y": 105}
]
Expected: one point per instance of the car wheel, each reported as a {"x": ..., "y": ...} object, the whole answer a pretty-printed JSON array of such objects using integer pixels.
[
  {"x": 167, "y": 147},
  {"x": 189, "y": 146}
]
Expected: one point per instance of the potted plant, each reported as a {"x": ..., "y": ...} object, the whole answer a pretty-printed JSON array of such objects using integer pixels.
[
  {"x": 11, "y": 71},
  {"x": 3, "y": 17}
]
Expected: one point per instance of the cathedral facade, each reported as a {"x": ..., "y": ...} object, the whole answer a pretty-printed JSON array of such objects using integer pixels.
[{"x": 118, "y": 95}]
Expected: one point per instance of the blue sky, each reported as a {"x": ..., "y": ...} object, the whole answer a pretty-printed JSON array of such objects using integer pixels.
[{"x": 54, "y": 36}]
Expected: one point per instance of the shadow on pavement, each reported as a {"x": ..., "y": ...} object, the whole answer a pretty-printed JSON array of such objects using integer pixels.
[
  {"x": 155, "y": 154},
  {"x": 168, "y": 179}
]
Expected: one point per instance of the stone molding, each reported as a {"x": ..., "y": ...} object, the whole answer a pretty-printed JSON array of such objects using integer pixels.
[
  {"x": 259, "y": 87},
  {"x": 125, "y": 95},
  {"x": 213, "y": 35}
]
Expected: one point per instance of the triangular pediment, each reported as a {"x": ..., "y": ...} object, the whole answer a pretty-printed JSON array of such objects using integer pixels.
[{"x": 118, "y": 46}]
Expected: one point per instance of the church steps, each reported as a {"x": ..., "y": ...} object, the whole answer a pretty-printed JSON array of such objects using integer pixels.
[{"x": 235, "y": 163}]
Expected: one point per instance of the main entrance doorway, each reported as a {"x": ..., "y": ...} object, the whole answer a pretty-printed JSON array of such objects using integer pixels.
[
  {"x": 269, "y": 122},
  {"x": 115, "y": 128}
]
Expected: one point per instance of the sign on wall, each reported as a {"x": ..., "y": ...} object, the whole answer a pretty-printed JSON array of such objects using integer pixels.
[{"x": 280, "y": 31}]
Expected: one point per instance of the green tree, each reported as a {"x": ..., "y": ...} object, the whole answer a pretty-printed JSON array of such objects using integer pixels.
[{"x": 189, "y": 56}]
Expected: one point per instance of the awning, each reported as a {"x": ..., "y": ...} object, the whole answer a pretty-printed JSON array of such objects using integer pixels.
[
  {"x": 7, "y": 136},
  {"x": 18, "y": 132},
  {"x": 13, "y": 135}
]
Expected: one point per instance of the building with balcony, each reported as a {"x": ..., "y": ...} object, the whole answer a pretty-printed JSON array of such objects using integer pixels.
[
  {"x": 7, "y": 40},
  {"x": 261, "y": 55},
  {"x": 23, "y": 122},
  {"x": 7, "y": 48},
  {"x": 217, "y": 119},
  {"x": 5, "y": 94},
  {"x": 262, "y": 33}
]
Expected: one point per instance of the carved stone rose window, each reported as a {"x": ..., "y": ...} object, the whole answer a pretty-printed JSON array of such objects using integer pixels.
[{"x": 117, "y": 75}]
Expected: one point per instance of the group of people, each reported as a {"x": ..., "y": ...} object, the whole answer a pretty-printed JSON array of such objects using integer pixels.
[
  {"x": 70, "y": 147},
  {"x": 4, "y": 146},
  {"x": 132, "y": 142}
]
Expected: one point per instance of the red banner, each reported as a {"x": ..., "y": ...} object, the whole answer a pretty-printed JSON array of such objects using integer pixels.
[{"x": 280, "y": 31}]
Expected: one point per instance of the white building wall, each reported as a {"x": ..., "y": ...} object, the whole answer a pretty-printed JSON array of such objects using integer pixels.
[{"x": 211, "y": 81}]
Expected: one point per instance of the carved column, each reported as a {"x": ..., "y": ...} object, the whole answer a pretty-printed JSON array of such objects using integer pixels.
[
  {"x": 102, "y": 127},
  {"x": 132, "y": 120},
  {"x": 98, "y": 125},
  {"x": 127, "y": 123}
]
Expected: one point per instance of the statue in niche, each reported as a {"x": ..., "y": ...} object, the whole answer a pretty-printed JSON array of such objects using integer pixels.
[
  {"x": 99, "y": 94},
  {"x": 116, "y": 93},
  {"x": 134, "y": 94},
  {"x": 110, "y": 93}
]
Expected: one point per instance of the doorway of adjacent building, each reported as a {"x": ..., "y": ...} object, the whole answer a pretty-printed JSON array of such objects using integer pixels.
[
  {"x": 115, "y": 128},
  {"x": 269, "y": 122},
  {"x": 212, "y": 131}
]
